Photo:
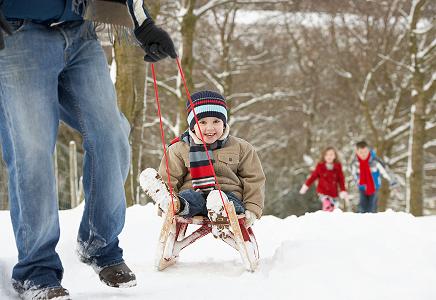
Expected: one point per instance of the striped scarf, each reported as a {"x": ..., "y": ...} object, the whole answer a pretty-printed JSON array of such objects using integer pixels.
[{"x": 202, "y": 175}]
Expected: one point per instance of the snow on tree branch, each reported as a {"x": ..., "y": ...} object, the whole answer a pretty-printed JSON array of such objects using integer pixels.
[
  {"x": 397, "y": 131},
  {"x": 427, "y": 50},
  {"x": 216, "y": 3},
  {"x": 400, "y": 64},
  {"x": 430, "y": 144},
  {"x": 276, "y": 96},
  {"x": 171, "y": 90}
]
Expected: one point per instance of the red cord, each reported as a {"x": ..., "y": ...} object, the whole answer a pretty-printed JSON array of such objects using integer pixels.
[
  {"x": 201, "y": 134},
  {"x": 162, "y": 134}
]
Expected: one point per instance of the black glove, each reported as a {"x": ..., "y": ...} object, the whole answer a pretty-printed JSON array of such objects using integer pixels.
[
  {"x": 155, "y": 41},
  {"x": 4, "y": 25}
]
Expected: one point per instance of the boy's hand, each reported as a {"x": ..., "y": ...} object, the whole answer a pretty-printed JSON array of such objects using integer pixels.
[
  {"x": 4, "y": 26},
  {"x": 304, "y": 189},
  {"x": 250, "y": 218},
  {"x": 155, "y": 41}
]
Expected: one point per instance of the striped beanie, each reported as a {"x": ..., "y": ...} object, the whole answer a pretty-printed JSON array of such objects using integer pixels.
[{"x": 206, "y": 104}]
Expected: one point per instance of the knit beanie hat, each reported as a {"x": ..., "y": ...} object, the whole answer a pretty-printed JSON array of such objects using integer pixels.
[{"x": 206, "y": 104}]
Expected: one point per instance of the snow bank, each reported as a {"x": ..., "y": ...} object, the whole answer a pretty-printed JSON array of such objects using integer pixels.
[{"x": 316, "y": 256}]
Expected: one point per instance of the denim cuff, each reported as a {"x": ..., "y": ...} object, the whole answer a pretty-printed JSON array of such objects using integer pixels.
[{"x": 185, "y": 210}]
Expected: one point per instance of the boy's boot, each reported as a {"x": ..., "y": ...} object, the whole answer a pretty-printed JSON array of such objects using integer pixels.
[
  {"x": 54, "y": 293},
  {"x": 217, "y": 214},
  {"x": 119, "y": 276},
  {"x": 157, "y": 190}
]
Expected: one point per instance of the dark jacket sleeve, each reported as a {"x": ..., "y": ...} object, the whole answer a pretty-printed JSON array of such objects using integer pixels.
[{"x": 138, "y": 12}]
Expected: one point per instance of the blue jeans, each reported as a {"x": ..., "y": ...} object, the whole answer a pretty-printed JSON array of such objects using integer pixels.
[
  {"x": 367, "y": 204},
  {"x": 48, "y": 74},
  {"x": 195, "y": 203}
]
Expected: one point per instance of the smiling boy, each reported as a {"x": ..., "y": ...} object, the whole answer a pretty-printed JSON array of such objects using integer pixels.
[{"x": 235, "y": 162}]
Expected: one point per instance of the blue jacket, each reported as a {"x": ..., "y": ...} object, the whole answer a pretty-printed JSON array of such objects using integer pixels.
[
  {"x": 51, "y": 11},
  {"x": 378, "y": 169}
]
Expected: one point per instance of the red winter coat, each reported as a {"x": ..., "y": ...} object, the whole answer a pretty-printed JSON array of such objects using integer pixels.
[{"x": 328, "y": 180}]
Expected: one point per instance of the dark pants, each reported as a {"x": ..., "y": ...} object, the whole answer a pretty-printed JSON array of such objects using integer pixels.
[
  {"x": 368, "y": 203},
  {"x": 195, "y": 203}
]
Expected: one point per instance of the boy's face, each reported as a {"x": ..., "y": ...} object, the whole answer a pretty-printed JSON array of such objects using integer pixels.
[
  {"x": 362, "y": 152},
  {"x": 212, "y": 129},
  {"x": 329, "y": 156}
]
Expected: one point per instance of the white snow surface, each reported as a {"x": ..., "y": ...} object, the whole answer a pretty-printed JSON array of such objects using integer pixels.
[{"x": 317, "y": 256}]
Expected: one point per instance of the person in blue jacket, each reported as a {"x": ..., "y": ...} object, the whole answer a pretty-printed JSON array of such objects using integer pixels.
[
  {"x": 53, "y": 68},
  {"x": 367, "y": 170}
]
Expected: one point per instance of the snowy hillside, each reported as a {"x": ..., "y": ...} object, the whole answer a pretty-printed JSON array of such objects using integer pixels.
[{"x": 317, "y": 256}]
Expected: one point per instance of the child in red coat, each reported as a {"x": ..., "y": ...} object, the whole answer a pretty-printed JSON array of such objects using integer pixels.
[{"x": 330, "y": 177}]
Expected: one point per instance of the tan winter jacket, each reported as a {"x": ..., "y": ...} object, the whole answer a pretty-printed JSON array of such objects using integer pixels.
[{"x": 237, "y": 167}]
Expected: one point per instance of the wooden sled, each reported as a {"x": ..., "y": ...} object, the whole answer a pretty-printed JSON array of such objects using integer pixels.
[{"x": 173, "y": 237}]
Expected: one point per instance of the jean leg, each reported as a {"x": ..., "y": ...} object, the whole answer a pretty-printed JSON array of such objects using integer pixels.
[
  {"x": 195, "y": 203},
  {"x": 363, "y": 202},
  {"x": 29, "y": 118},
  {"x": 88, "y": 103},
  {"x": 239, "y": 205},
  {"x": 373, "y": 203}
]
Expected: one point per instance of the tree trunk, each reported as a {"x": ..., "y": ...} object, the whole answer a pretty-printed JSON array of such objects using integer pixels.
[
  {"x": 4, "y": 203},
  {"x": 415, "y": 172},
  {"x": 130, "y": 93},
  {"x": 383, "y": 196},
  {"x": 130, "y": 84},
  {"x": 384, "y": 149},
  {"x": 415, "y": 169},
  {"x": 187, "y": 30},
  {"x": 73, "y": 174}
]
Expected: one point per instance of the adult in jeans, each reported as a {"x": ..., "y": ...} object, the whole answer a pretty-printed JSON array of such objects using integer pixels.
[{"x": 53, "y": 68}]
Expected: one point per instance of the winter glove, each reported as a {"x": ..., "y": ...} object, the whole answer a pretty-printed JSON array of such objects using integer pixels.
[
  {"x": 250, "y": 218},
  {"x": 343, "y": 195},
  {"x": 4, "y": 26},
  {"x": 304, "y": 189},
  {"x": 155, "y": 41}
]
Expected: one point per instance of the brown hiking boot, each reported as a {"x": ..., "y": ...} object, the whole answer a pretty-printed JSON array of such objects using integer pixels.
[
  {"x": 119, "y": 276},
  {"x": 58, "y": 293},
  {"x": 53, "y": 293}
]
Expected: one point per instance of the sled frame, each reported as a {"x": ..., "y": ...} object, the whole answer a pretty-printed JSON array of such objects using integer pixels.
[{"x": 173, "y": 239}]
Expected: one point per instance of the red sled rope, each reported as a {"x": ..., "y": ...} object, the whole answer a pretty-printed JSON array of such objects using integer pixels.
[
  {"x": 173, "y": 236},
  {"x": 182, "y": 74}
]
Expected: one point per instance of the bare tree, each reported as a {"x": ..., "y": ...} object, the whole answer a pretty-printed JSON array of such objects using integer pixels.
[{"x": 423, "y": 88}]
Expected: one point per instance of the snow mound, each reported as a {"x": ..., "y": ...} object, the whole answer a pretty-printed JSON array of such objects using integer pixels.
[{"x": 317, "y": 256}]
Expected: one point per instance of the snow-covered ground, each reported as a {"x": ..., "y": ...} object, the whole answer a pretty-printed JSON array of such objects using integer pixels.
[{"x": 317, "y": 256}]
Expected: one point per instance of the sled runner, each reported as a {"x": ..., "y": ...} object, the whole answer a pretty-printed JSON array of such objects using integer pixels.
[{"x": 173, "y": 237}]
